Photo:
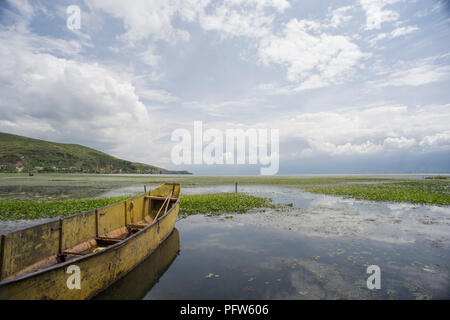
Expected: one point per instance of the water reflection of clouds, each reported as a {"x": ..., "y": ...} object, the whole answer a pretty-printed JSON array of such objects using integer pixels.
[
  {"x": 271, "y": 263},
  {"x": 309, "y": 279},
  {"x": 329, "y": 216},
  {"x": 219, "y": 238}
]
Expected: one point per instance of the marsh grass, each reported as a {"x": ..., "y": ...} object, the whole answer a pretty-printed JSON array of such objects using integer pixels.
[
  {"x": 423, "y": 192},
  {"x": 189, "y": 204}
]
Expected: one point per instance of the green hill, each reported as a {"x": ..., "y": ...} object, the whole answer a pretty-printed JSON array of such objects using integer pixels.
[{"x": 24, "y": 154}]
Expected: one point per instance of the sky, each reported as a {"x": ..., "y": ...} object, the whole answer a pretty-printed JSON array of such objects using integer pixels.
[{"x": 357, "y": 86}]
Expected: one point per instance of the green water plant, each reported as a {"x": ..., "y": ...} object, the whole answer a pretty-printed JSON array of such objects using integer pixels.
[
  {"x": 218, "y": 203},
  {"x": 423, "y": 192}
]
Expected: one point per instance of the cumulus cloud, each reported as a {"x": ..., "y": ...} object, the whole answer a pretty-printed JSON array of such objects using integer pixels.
[
  {"x": 67, "y": 90},
  {"x": 339, "y": 16},
  {"x": 236, "y": 21},
  {"x": 353, "y": 131},
  {"x": 376, "y": 13},
  {"x": 153, "y": 19},
  {"x": 150, "y": 19},
  {"x": 438, "y": 140},
  {"x": 67, "y": 100},
  {"x": 247, "y": 18},
  {"x": 371, "y": 131},
  {"x": 314, "y": 60}
]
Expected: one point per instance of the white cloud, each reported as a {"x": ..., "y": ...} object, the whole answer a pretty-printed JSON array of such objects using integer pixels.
[
  {"x": 149, "y": 57},
  {"x": 376, "y": 13},
  {"x": 314, "y": 60},
  {"x": 150, "y": 18},
  {"x": 234, "y": 23},
  {"x": 437, "y": 140},
  {"x": 157, "y": 95},
  {"x": 415, "y": 76},
  {"x": 153, "y": 19},
  {"x": 315, "y": 81},
  {"x": 399, "y": 143},
  {"x": 241, "y": 18},
  {"x": 223, "y": 108},
  {"x": 274, "y": 88},
  {"x": 71, "y": 101},
  {"x": 338, "y": 16},
  {"x": 279, "y": 5},
  {"x": 41, "y": 44},
  {"x": 52, "y": 89},
  {"x": 398, "y": 32},
  {"x": 22, "y": 11},
  {"x": 403, "y": 31},
  {"x": 358, "y": 131},
  {"x": 353, "y": 131}
]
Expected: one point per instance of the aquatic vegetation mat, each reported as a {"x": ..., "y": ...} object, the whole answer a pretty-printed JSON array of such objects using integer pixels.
[
  {"x": 189, "y": 204},
  {"x": 222, "y": 202},
  {"x": 423, "y": 192},
  {"x": 14, "y": 210}
]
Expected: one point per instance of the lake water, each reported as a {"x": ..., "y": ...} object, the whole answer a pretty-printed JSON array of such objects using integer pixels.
[{"x": 319, "y": 248}]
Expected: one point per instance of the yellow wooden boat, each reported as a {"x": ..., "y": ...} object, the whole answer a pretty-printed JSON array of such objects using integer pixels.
[{"x": 79, "y": 256}]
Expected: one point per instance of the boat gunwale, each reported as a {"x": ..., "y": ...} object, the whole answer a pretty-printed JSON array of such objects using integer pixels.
[
  {"x": 90, "y": 255},
  {"x": 78, "y": 213}
]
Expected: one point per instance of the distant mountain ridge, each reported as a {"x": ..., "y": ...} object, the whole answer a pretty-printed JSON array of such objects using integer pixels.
[{"x": 22, "y": 154}]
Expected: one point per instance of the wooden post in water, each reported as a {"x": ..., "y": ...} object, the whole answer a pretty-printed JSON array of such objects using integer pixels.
[
  {"x": 235, "y": 187},
  {"x": 145, "y": 188}
]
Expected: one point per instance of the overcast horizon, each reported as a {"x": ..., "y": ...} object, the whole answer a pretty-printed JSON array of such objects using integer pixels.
[{"x": 352, "y": 86}]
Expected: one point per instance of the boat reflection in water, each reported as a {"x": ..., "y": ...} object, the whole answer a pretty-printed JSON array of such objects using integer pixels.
[{"x": 140, "y": 281}]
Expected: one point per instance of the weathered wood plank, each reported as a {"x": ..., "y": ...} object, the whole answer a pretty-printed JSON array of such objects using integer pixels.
[
  {"x": 77, "y": 229},
  {"x": 135, "y": 209},
  {"x": 24, "y": 248},
  {"x": 110, "y": 218}
]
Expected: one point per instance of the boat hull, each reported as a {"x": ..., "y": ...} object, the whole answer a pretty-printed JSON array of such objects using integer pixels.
[
  {"x": 139, "y": 282},
  {"x": 97, "y": 270}
]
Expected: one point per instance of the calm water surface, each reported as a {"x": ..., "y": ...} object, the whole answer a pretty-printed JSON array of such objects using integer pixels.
[
  {"x": 219, "y": 258},
  {"x": 319, "y": 249}
]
